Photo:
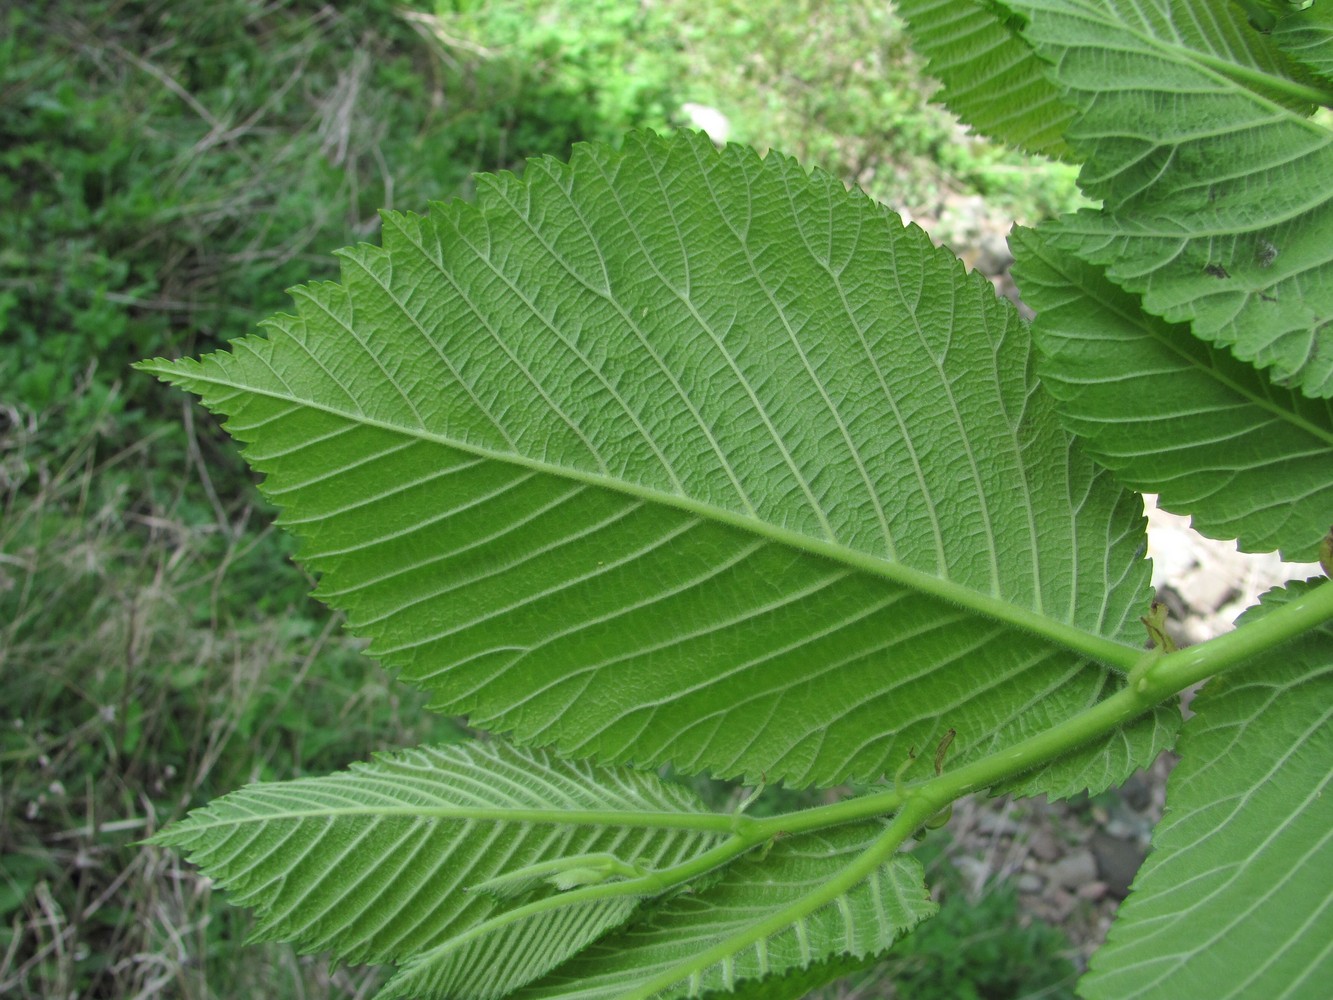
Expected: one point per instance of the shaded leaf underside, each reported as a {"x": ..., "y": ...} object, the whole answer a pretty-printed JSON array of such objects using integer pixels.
[
  {"x": 376, "y": 863},
  {"x": 1236, "y": 899},
  {"x": 1170, "y": 414},
  {"x": 1307, "y": 36},
  {"x": 861, "y": 923},
  {"x": 1218, "y": 207},
  {"x": 992, "y": 79},
  {"x": 674, "y": 454}
]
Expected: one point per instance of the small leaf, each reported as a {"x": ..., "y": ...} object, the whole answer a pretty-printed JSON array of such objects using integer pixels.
[
  {"x": 374, "y": 862},
  {"x": 556, "y": 872},
  {"x": 992, "y": 79},
  {"x": 733, "y": 918},
  {"x": 1171, "y": 415},
  {"x": 491, "y": 963},
  {"x": 1236, "y": 900}
]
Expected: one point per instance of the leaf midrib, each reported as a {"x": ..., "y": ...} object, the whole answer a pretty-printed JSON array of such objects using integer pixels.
[
  {"x": 1239, "y": 78},
  {"x": 1077, "y": 640},
  {"x": 1142, "y": 321},
  {"x": 705, "y": 822}
]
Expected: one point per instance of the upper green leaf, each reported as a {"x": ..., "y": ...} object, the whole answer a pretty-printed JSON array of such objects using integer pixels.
[
  {"x": 1195, "y": 133},
  {"x": 678, "y": 454},
  {"x": 1236, "y": 898},
  {"x": 1172, "y": 415},
  {"x": 991, "y": 77},
  {"x": 1307, "y": 36},
  {"x": 381, "y": 863},
  {"x": 759, "y": 922}
]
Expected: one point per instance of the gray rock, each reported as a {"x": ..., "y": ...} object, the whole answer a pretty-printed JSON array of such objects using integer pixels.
[
  {"x": 1076, "y": 868},
  {"x": 1118, "y": 861}
]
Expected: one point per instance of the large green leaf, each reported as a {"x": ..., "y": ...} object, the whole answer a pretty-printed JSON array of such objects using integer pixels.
[
  {"x": 755, "y": 929},
  {"x": 1236, "y": 899},
  {"x": 684, "y": 455},
  {"x": 1195, "y": 133},
  {"x": 381, "y": 863},
  {"x": 1172, "y": 415},
  {"x": 991, "y": 77}
]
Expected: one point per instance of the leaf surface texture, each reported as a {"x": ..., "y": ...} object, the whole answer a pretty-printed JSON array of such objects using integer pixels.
[
  {"x": 673, "y": 454},
  {"x": 753, "y": 896},
  {"x": 1236, "y": 899},
  {"x": 377, "y": 863},
  {"x": 1175, "y": 416},
  {"x": 1215, "y": 180},
  {"x": 992, "y": 79},
  {"x": 1307, "y": 36}
]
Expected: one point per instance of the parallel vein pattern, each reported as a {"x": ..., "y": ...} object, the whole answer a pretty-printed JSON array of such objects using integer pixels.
[
  {"x": 376, "y": 863},
  {"x": 1236, "y": 899},
  {"x": 1218, "y": 206},
  {"x": 1170, "y": 414},
  {"x": 861, "y": 923},
  {"x": 1307, "y": 36},
  {"x": 992, "y": 79},
  {"x": 674, "y": 454}
]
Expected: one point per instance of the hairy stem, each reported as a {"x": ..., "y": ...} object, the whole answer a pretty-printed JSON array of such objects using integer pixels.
[
  {"x": 914, "y": 813},
  {"x": 1154, "y": 680}
]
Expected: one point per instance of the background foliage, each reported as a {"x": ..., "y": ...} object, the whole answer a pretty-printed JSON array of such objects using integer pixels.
[{"x": 166, "y": 169}]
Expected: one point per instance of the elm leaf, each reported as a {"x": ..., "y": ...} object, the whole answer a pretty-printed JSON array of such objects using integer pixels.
[
  {"x": 1175, "y": 416},
  {"x": 1167, "y": 94},
  {"x": 991, "y": 77},
  {"x": 1235, "y": 899},
  {"x": 1307, "y": 36},
  {"x": 682, "y": 455},
  {"x": 802, "y": 951},
  {"x": 382, "y": 863}
]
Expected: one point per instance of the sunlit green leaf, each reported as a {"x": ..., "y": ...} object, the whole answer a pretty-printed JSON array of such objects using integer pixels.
[{"x": 683, "y": 455}]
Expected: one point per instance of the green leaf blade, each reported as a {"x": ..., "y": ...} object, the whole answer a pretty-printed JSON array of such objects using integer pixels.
[
  {"x": 755, "y": 894},
  {"x": 991, "y": 78},
  {"x": 377, "y": 863},
  {"x": 679, "y": 455},
  {"x": 1307, "y": 36},
  {"x": 1241, "y": 254},
  {"x": 1235, "y": 900},
  {"x": 1173, "y": 416},
  {"x": 490, "y": 966}
]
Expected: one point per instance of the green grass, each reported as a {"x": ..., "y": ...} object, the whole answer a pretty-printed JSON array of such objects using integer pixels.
[
  {"x": 166, "y": 170},
  {"x": 155, "y": 652},
  {"x": 834, "y": 84}
]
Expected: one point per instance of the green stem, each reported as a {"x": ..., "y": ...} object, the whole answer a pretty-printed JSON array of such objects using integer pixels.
[
  {"x": 1178, "y": 671},
  {"x": 1158, "y": 678},
  {"x": 914, "y": 813},
  {"x": 1154, "y": 680},
  {"x": 653, "y": 884},
  {"x": 1255, "y": 79}
]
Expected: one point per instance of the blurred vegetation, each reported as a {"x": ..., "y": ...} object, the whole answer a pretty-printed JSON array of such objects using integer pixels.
[
  {"x": 167, "y": 168},
  {"x": 978, "y": 947}
]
